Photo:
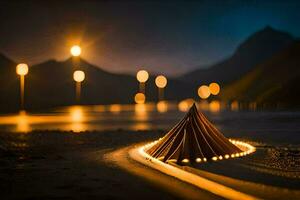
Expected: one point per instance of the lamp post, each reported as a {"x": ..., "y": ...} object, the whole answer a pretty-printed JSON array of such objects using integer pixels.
[
  {"x": 22, "y": 70},
  {"x": 142, "y": 76},
  {"x": 214, "y": 88},
  {"x": 204, "y": 92},
  {"x": 161, "y": 82},
  {"x": 78, "y": 77},
  {"x": 75, "y": 50}
]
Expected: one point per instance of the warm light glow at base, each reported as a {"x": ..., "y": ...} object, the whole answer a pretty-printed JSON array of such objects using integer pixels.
[
  {"x": 140, "y": 155},
  {"x": 185, "y": 105},
  {"x": 245, "y": 147}
]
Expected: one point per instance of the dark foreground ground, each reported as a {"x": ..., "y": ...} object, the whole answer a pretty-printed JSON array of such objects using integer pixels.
[{"x": 66, "y": 165}]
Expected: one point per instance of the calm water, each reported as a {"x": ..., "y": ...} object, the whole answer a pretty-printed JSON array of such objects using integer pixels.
[{"x": 275, "y": 127}]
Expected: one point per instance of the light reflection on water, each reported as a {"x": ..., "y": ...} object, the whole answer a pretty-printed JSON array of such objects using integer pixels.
[{"x": 162, "y": 115}]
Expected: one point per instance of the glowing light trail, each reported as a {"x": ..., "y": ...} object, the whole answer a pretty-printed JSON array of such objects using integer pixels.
[{"x": 140, "y": 155}]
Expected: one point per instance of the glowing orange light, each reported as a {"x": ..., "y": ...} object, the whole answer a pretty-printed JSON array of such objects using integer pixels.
[
  {"x": 115, "y": 108},
  {"x": 214, "y": 106},
  {"x": 234, "y": 106},
  {"x": 78, "y": 76},
  {"x": 139, "y": 98},
  {"x": 185, "y": 105},
  {"x": 22, "y": 69},
  {"x": 142, "y": 76},
  {"x": 162, "y": 106},
  {"x": 161, "y": 81},
  {"x": 75, "y": 50},
  {"x": 203, "y": 92},
  {"x": 76, "y": 114},
  {"x": 214, "y": 88}
]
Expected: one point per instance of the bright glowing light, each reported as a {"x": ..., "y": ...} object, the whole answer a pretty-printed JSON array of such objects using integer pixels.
[
  {"x": 214, "y": 106},
  {"x": 227, "y": 156},
  {"x": 162, "y": 106},
  {"x": 214, "y": 158},
  {"x": 140, "y": 98},
  {"x": 198, "y": 160},
  {"x": 75, "y": 50},
  {"x": 115, "y": 108},
  {"x": 203, "y": 92},
  {"x": 76, "y": 114},
  {"x": 142, "y": 76},
  {"x": 185, "y": 160},
  {"x": 78, "y": 76},
  {"x": 22, "y": 69},
  {"x": 214, "y": 88},
  {"x": 161, "y": 81},
  {"x": 185, "y": 105},
  {"x": 142, "y": 157},
  {"x": 23, "y": 122}
]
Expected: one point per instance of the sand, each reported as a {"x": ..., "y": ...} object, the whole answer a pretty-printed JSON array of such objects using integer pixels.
[{"x": 66, "y": 165}]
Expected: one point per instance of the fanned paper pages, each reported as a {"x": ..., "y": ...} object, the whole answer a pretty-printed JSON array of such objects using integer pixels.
[{"x": 193, "y": 139}]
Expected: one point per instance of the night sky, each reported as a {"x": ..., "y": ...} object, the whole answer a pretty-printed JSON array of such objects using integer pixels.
[{"x": 170, "y": 37}]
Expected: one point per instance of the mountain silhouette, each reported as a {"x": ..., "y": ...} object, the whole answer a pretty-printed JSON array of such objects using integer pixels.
[
  {"x": 255, "y": 49},
  {"x": 274, "y": 81},
  {"x": 51, "y": 84},
  {"x": 9, "y": 90}
]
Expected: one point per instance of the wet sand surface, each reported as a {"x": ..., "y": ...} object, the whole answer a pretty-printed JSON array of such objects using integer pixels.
[
  {"x": 65, "y": 165},
  {"x": 68, "y": 165}
]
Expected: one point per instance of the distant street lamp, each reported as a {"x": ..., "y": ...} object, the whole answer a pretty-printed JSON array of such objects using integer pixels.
[
  {"x": 142, "y": 76},
  {"x": 75, "y": 50},
  {"x": 161, "y": 82},
  {"x": 214, "y": 88},
  {"x": 140, "y": 98},
  {"x": 78, "y": 77},
  {"x": 22, "y": 70},
  {"x": 203, "y": 92}
]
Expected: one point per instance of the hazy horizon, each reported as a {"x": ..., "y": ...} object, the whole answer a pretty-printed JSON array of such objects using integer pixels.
[{"x": 169, "y": 38}]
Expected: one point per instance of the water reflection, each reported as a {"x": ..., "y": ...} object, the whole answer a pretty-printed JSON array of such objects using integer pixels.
[
  {"x": 115, "y": 108},
  {"x": 77, "y": 119},
  {"x": 106, "y": 117},
  {"x": 215, "y": 106},
  {"x": 185, "y": 105},
  {"x": 162, "y": 106},
  {"x": 22, "y": 122},
  {"x": 234, "y": 106}
]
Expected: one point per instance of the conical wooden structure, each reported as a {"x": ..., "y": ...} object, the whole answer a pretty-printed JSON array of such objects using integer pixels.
[{"x": 193, "y": 139}]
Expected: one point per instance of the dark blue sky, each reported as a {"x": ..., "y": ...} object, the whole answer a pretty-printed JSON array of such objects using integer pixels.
[{"x": 170, "y": 37}]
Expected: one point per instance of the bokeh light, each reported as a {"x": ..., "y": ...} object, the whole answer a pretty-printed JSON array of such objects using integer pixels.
[
  {"x": 142, "y": 76},
  {"x": 215, "y": 106},
  {"x": 214, "y": 88},
  {"x": 75, "y": 50},
  {"x": 203, "y": 92},
  {"x": 139, "y": 98},
  {"x": 162, "y": 106},
  {"x": 161, "y": 81},
  {"x": 22, "y": 69},
  {"x": 79, "y": 76},
  {"x": 185, "y": 105}
]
